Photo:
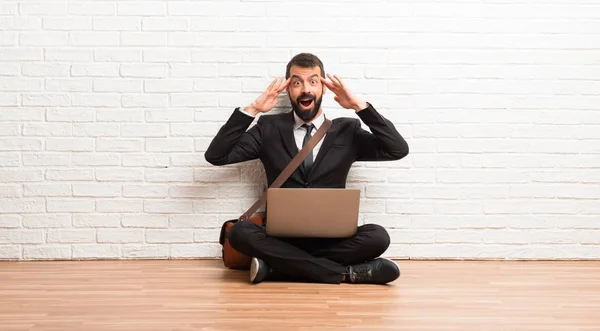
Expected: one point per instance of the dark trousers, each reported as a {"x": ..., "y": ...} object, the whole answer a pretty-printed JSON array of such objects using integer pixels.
[{"x": 322, "y": 260}]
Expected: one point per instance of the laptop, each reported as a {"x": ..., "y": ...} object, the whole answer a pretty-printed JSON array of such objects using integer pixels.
[{"x": 312, "y": 212}]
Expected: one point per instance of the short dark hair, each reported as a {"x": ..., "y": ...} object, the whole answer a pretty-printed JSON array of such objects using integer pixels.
[{"x": 304, "y": 60}]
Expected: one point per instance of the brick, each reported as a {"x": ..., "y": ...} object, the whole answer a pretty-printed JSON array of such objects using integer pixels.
[
  {"x": 218, "y": 206},
  {"x": 46, "y": 190},
  {"x": 10, "y": 252},
  {"x": 193, "y": 70},
  {"x": 92, "y": 9},
  {"x": 96, "y": 100},
  {"x": 10, "y": 221},
  {"x": 118, "y": 85},
  {"x": 169, "y": 145},
  {"x": 69, "y": 55},
  {"x": 65, "y": 205},
  {"x": 192, "y": 9},
  {"x": 207, "y": 235},
  {"x": 23, "y": 236},
  {"x": 118, "y": 145},
  {"x": 71, "y": 24},
  {"x": 47, "y": 252},
  {"x": 70, "y": 144},
  {"x": 218, "y": 85},
  {"x": 119, "y": 206},
  {"x": 8, "y": 39},
  {"x": 168, "y": 206},
  {"x": 208, "y": 191},
  {"x": 195, "y": 130},
  {"x": 69, "y": 85},
  {"x": 194, "y": 250},
  {"x": 10, "y": 191},
  {"x": 120, "y": 236},
  {"x": 70, "y": 174},
  {"x": 20, "y": 144},
  {"x": 122, "y": 115},
  {"x": 68, "y": 236},
  {"x": 9, "y": 69},
  {"x": 145, "y": 221},
  {"x": 94, "y": 38},
  {"x": 169, "y": 175},
  {"x": 47, "y": 221},
  {"x": 119, "y": 175},
  {"x": 90, "y": 220},
  {"x": 164, "y": 86},
  {"x": 145, "y": 100},
  {"x": 216, "y": 175},
  {"x": 145, "y": 251},
  {"x": 145, "y": 191},
  {"x": 169, "y": 236},
  {"x": 194, "y": 221},
  {"x": 117, "y": 55},
  {"x": 146, "y": 160},
  {"x": 20, "y": 85},
  {"x": 117, "y": 23},
  {"x": 96, "y": 159},
  {"x": 173, "y": 115},
  {"x": 142, "y": 9},
  {"x": 45, "y": 100},
  {"x": 387, "y": 191},
  {"x": 144, "y": 130},
  {"x": 170, "y": 56},
  {"x": 21, "y": 175},
  {"x": 9, "y": 129},
  {"x": 73, "y": 115},
  {"x": 23, "y": 114},
  {"x": 50, "y": 39},
  {"x": 96, "y": 251},
  {"x": 94, "y": 70},
  {"x": 96, "y": 130},
  {"x": 43, "y": 8},
  {"x": 144, "y": 70},
  {"x": 143, "y": 39},
  {"x": 96, "y": 190},
  {"x": 46, "y": 129}
]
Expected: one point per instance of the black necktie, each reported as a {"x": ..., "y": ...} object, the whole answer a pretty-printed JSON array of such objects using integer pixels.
[{"x": 309, "y": 159}]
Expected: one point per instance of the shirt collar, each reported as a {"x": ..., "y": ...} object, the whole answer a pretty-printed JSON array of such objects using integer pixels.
[{"x": 317, "y": 121}]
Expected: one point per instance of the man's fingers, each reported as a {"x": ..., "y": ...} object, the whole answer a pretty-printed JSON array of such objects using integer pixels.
[
  {"x": 333, "y": 80},
  {"x": 339, "y": 80},
  {"x": 283, "y": 85},
  {"x": 328, "y": 84}
]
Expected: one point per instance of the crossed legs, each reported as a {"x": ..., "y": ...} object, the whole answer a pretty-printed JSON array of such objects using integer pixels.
[{"x": 314, "y": 259}]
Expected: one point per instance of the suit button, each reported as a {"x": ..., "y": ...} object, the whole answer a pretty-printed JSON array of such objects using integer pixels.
[{"x": 306, "y": 185}]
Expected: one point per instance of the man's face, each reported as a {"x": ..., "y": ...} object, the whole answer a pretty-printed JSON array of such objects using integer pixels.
[{"x": 305, "y": 91}]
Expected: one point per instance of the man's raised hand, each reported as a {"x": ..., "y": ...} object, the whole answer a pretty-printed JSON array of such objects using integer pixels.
[
  {"x": 269, "y": 98},
  {"x": 343, "y": 95}
]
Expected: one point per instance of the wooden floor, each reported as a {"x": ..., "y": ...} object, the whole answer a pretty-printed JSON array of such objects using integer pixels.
[{"x": 202, "y": 295}]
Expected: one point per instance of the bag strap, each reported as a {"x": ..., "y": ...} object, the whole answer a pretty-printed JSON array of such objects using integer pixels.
[{"x": 290, "y": 168}]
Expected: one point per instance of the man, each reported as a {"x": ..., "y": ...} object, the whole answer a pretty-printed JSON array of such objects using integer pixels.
[{"x": 275, "y": 139}]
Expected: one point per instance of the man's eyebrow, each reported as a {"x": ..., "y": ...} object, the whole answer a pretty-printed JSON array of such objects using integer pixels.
[{"x": 297, "y": 76}]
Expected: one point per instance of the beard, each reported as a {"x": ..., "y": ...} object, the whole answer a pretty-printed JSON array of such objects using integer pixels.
[{"x": 306, "y": 114}]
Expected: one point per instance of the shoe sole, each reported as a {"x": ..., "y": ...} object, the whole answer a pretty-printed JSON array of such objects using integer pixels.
[{"x": 253, "y": 269}]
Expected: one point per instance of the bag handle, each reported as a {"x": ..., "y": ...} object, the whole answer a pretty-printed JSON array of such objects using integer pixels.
[{"x": 290, "y": 168}]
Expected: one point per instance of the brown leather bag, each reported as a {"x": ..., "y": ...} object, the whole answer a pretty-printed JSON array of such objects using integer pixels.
[{"x": 234, "y": 259}]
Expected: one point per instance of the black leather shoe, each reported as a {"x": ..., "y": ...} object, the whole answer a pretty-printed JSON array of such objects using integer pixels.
[
  {"x": 378, "y": 271},
  {"x": 259, "y": 270}
]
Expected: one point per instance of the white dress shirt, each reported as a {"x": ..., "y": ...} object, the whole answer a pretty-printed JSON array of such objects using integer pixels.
[{"x": 300, "y": 132}]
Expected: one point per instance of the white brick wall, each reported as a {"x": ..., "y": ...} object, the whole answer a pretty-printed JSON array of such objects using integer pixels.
[{"x": 106, "y": 108}]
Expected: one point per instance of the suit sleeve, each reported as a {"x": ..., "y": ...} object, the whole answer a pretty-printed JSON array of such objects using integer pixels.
[
  {"x": 234, "y": 143},
  {"x": 383, "y": 143}
]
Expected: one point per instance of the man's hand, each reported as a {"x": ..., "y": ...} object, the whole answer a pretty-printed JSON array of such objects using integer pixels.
[
  {"x": 268, "y": 99},
  {"x": 343, "y": 95}
]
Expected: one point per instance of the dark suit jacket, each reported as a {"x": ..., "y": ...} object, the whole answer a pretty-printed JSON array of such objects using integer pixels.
[{"x": 272, "y": 141}]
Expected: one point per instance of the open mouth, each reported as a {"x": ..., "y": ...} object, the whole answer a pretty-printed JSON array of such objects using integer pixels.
[{"x": 306, "y": 103}]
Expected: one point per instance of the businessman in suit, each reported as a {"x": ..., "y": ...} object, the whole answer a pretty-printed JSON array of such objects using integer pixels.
[{"x": 275, "y": 139}]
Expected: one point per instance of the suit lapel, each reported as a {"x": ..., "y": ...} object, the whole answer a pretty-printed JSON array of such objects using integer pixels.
[
  {"x": 330, "y": 136},
  {"x": 286, "y": 130}
]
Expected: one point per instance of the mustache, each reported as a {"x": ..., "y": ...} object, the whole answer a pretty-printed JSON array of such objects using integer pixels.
[{"x": 305, "y": 96}]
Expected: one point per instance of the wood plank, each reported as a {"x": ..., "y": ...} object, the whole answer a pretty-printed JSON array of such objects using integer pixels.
[{"x": 202, "y": 295}]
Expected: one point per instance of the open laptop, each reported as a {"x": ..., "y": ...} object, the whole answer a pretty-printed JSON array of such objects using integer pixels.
[{"x": 312, "y": 212}]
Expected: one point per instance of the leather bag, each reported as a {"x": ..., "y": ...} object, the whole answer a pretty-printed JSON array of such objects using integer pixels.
[{"x": 234, "y": 259}]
